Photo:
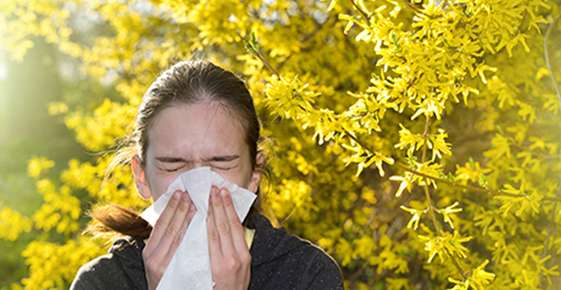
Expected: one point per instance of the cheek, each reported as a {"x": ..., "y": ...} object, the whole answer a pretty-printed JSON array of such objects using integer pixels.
[
  {"x": 159, "y": 184},
  {"x": 234, "y": 177},
  {"x": 240, "y": 175}
]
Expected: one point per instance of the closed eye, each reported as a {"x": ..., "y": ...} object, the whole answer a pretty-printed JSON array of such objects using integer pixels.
[
  {"x": 170, "y": 169},
  {"x": 224, "y": 158},
  {"x": 222, "y": 166},
  {"x": 224, "y": 162}
]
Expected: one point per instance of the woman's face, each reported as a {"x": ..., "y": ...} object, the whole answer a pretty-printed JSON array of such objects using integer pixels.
[{"x": 185, "y": 136}]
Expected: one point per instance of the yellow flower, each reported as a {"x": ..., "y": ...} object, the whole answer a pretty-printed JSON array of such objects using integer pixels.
[{"x": 38, "y": 166}]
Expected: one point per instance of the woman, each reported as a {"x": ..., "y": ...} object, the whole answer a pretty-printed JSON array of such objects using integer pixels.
[{"x": 198, "y": 114}]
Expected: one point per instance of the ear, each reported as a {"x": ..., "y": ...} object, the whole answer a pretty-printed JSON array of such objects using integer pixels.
[
  {"x": 140, "y": 178},
  {"x": 257, "y": 172}
]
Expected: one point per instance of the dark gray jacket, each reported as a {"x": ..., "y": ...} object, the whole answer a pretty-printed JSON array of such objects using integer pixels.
[{"x": 279, "y": 261}]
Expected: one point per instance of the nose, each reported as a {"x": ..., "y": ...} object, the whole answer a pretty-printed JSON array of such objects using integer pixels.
[{"x": 199, "y": 163}]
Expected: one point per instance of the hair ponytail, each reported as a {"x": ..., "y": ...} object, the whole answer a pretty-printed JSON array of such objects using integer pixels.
[{"x": 111, "y": 219}]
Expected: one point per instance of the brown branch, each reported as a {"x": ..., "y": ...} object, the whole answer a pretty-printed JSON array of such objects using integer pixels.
[
  {"x": 364, "y": 14},
  {"x": 413, "y": 7}
]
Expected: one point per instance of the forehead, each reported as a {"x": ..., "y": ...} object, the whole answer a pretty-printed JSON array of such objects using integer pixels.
[{"x": 195, "y": 130}]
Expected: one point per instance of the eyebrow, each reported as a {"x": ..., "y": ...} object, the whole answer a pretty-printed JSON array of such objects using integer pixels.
[{"x": 220, "y": 158}]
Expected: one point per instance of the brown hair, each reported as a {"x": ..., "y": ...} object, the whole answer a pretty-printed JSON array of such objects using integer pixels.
[{"x": 185, "y": 82}]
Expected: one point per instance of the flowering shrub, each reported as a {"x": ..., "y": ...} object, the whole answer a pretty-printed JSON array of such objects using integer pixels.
[{"x": 416, "y": 141}]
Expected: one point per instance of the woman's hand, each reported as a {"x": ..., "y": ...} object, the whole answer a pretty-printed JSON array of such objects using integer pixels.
[
  {"x": 229, "y": 255},
  {"x": 166, "y": 236}
]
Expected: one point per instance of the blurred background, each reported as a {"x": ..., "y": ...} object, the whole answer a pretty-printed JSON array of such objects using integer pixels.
[{"x": 28, "y": 130}]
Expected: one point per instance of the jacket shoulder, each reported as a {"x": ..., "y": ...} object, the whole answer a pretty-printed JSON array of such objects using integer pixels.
[
  {"x": 97, "y": 273},
  {"x": 321, "y": 272},
  {"x": 284, "y": 261},
  {"x": 112, "y": 271}
]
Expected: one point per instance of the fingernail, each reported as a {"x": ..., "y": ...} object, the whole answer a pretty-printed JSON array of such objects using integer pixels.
[{"x": 176, "y": 195}]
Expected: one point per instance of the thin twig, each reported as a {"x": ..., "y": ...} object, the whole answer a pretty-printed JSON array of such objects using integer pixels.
[
  {"x": 425, "y": 137},
  {"x": 413, "y": 7},
  {"x": 467, "y": 186},
  {"x": 435, "y": 222},
  {"x": 265, "y": 62},
  {"x": 255, "y": 51},
  {"x": 364, "y": 14},
  {"x": 547, "y": 60}
]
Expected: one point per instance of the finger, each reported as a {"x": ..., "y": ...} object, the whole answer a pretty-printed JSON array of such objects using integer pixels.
[
  {"x": 237, "y": 232},
  {"x": 215, "y": 250},
  {"x": 223, "y": 225},
  {"x": 173, "y": 228},
  {"x": 163, "y": 254},
  {"x": 161, "y": 224},
  {"x": 185, "y": 219}
]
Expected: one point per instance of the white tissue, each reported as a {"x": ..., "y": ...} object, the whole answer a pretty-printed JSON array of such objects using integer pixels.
[{"x": 190, "y": 266}]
